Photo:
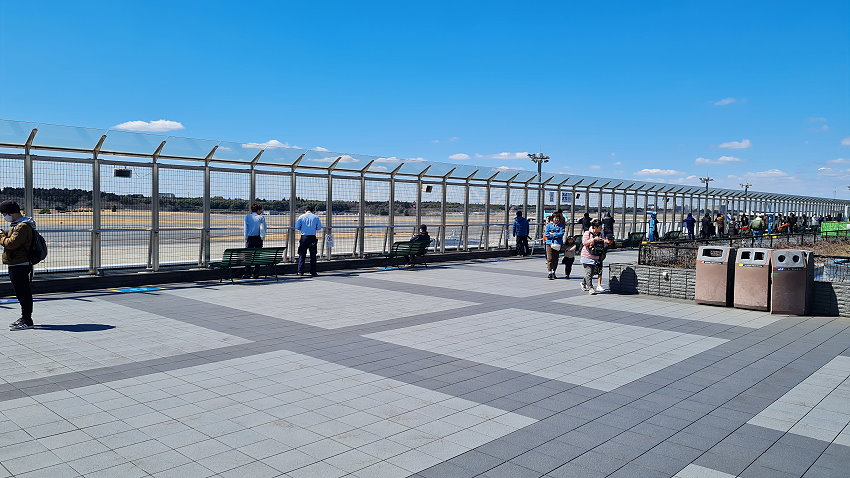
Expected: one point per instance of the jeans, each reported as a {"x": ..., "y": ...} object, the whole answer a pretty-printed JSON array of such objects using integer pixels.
[
  {"x": 589, "y": 272},
  {"x": 758, "y": 237},
  {"x": 522, "y": 245},
  {"x": 304, "y": 244},
  {"x": 20, "y": 278},
  {"x": 253, "y": 242}
]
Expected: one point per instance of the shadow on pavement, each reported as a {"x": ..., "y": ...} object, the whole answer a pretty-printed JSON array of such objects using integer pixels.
[{"x": 75, "y": 327}]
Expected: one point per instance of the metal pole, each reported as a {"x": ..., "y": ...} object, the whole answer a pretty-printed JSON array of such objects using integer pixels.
[
  {"x": 206, "y": 232},
  {"x": 94, "y": 254},
  {"x": 466, "y": 215},
  {"x": 443, "y": 205},
  {"x": 29, "y": 192},
  {"x": 487, "y": 215},
  {"x": 573, "y": 211},
  {"x": 153, "y": 249},
  {"x": 361, "y": 219}
]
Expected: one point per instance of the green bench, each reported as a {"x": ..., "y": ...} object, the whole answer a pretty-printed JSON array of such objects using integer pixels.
[
  {"x": 635, "y": 239},
  {"x": 671, "y": 236},
  {"x": 402, "y": 249},
  {"x": 245, "y": 257}
]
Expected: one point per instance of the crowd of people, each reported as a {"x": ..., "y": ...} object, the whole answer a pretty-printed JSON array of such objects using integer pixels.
[{"x": 722, "y": 225}]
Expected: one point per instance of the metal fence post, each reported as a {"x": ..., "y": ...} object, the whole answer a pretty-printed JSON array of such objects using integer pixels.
[
  {"x": 362, "y": 216},
  {"x": 29, "y": 192},
  {"x": 329, "y": 214},
  {"x": 293, "y": 198},
  {"x": 94, "y": 247},
  {"x": 206, "y": 229},
  {"x": 466, "y": 212},
  {"x": 443, "y": 204},
  {"x": 388, "y": 241},
  {"x": 153, "y": 245}
]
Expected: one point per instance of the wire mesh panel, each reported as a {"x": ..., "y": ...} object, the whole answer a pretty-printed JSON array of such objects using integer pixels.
[
  {"x": 454, "y": 214},
  {"x": 12, "y": 177},
  {"x": 477, "y": 213},
  {"x": 312, "y": 191},
  {"x": 62, "y": 209},
  {"x": 346, "y": 214},
  {"x": 377, "y": 213},
  {"x": 181, "y": 216},
  {"x": 125, "y": 215},
  {"x": 498, "y": 228},
  {"x": 404, "y": 207},
  {"x": 273, "y": 194},
  {"x": 229, "y": 204}
]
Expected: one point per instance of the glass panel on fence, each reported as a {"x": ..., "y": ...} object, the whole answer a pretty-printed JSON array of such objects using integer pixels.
[
  {"x": 187, "y": 147},
  {"x": 15, "y": 132},
  {"x": 135, "y": 143},
  {"x": 240, "y": 152},
  {"x": 71, "y": 137}
]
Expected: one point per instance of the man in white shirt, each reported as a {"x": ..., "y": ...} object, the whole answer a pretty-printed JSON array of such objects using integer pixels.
[
  {"x": 308, "y": 224},
  {"x": 255, "y": 233}
]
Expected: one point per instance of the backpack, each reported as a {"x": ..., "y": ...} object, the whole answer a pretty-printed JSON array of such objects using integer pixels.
[
  {"x": 757, "y": 225},
  {"x": 38, "y": 248}
]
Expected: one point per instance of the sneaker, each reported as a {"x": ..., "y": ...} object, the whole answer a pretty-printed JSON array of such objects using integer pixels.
[
  {"x": 583, "y": 287},
  {"x": 19, "y": 325},
  {"x": 592, "y": 291},
  {"x": 551, "y": 276},
  {"x": 599, "y": 288}
]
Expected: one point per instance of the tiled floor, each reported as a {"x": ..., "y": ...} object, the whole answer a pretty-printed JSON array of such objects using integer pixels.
[{"x": 459, "y": 370}]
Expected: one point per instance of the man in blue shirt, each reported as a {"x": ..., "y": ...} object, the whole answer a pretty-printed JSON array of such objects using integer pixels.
[
  {"x": 308, "y": 224},
  {"x": 255, "y": 233},
  {"x": 520, "y": 230}
]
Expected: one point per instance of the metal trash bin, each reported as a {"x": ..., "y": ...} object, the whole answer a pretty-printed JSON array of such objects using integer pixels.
[
  {"x": 715, "y": 271},
  {"x": 792, "y": 281},
  {"x": 752, "y": 279}
]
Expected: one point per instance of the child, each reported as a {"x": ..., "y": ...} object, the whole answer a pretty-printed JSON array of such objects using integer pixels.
[{"x": 569, "y": 255}]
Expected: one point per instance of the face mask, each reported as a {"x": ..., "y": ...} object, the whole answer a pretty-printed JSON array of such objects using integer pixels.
[{"x": 8, "y": 218}]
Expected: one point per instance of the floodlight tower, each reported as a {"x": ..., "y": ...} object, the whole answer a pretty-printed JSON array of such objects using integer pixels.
[
  {"x": 746, "y": 187},
  {"x": 539, "y": 158}
]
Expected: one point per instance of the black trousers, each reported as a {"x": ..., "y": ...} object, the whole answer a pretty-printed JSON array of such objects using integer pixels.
[
  {"x": 253, "y": 242},
  {"x": 307, "y": 243},
  {"x": 20, "y": 278},
  {"x": 568, "y": 265},
  {"x": 522, "y": 245}
]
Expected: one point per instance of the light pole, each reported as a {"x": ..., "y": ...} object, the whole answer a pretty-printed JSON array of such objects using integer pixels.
[
  {"x": 746, "y": 186},
  {"x": 539, "y": 158},
  {"x": 706, "y": 180}
]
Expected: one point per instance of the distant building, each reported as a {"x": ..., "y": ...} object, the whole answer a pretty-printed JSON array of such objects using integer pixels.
[{"x": 168, "y": 195}]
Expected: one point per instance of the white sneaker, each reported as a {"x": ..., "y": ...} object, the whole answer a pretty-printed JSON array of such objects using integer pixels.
[
  {"x": 599, "y": 288},
  {"x": 592, "y": 291},
  {"x": 583, "y": 287}
]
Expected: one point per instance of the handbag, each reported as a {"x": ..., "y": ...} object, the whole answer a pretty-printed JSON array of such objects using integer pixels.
[{"x": 555, "y": 246}]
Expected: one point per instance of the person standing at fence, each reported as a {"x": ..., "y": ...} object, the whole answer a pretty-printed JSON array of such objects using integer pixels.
[
  {"x": 689, "y": 225},
  {"x": 17, "y": 243},
  {"x": 255, "y": 234},
  {"x": 585, "y": 222},
  {"x": 720, "y": 224},
  {"x": 757, "y": 227},
  {"x": 608, "y": 225},
  {"x": 308, "y": 224},
  {"x": 520, "y": 231},
  {"x": 554, "y": 236}
]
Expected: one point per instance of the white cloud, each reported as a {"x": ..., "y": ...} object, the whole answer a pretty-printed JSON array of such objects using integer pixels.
[
  {"x": 158, "y": 126},
  {"x": 618, "y": 163},
  {"x": 504, "y": 155},
  {"x": 845, "y": 141},
  {"x": 454, "y": 138},
  {"x": 834, "y": 173},
  {"x": 270, "y": 144},
  {"x": 459, "y": 156},
  {"x": 330, "y": 159},
  {"x": 824, "y": 127},
  {"x": 435, "y": 141},
  {"x": 720, "y": 160},
  {"x": 817, "y": 119},
  {"x": 319, "y": 148},
  {"x": 505, "y": 168},
  {"x": 839, "y": 161},
  {"x": 657, "y": 172},
  {"x": 393, "y": 159},
  {"x": 724, "y": 102},
  {"x": 743, "y": 144},
  {"x": 378, "y": 168},
  {"x": 769, "y": 174},
  {"x": 594, "y": 166}
]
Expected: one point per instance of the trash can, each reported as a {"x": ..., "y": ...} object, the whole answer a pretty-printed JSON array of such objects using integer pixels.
[
  {"x": 792, "y": 281},
  {"x": 752, "y": 278},
  {"x": 715, "y": 272}
]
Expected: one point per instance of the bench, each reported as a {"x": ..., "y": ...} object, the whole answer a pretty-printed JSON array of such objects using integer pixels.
[
  {"x": 671, "y": 236},
  {"x": 635, "y": 239},
  {"x": 403, "y": 249},
  {"x": 245, "y": 257}
]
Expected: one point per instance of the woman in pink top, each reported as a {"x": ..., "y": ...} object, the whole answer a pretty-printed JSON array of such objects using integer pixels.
[{"x": 593, "y": 242}]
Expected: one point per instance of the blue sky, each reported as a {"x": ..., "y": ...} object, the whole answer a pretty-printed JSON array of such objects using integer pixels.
[{"x": 755, "y": 91}]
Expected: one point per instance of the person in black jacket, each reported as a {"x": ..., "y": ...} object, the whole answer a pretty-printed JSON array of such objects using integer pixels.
[
  {"x": 608, "y": 225},
  {"x": 421, "y": 236},
  {"x": 585, "y": 222}
]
